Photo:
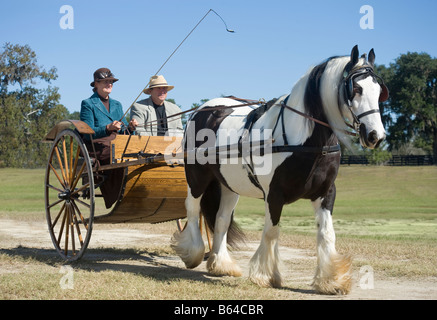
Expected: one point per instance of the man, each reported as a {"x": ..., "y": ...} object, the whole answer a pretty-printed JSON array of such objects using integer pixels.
[{"x": 155, "y": 115}]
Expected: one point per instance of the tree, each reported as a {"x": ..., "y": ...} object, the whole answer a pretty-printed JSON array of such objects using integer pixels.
[
  {"x": 26, "y": 112},
  {"x": 411, "y": 112}
]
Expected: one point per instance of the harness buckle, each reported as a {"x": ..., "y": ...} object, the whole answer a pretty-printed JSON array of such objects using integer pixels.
[{"x": 262, "y": 101}]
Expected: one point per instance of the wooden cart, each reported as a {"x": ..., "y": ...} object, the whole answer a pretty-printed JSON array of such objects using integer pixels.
[{"x": 152, "y": 189}]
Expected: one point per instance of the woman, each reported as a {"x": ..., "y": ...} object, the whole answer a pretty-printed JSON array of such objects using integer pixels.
[{"x": 105, "y": 116}]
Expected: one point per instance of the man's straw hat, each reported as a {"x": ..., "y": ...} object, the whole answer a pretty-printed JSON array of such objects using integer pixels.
[{"x": 157, "y": 81}]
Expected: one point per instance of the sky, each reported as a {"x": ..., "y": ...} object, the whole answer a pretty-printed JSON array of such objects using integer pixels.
[{"x": 274, "y": 44}]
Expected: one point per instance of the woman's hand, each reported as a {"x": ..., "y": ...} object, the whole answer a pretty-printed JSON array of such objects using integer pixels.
[{"x": 114, "y": 126}]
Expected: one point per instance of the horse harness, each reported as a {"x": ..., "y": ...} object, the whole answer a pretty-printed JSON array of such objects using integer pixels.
[
  {"x": 254, "y": 115},
  {"x": 251, "y": 119},
  {"x": 347, "y": 87},
  {"x": 348, "y": 91}
]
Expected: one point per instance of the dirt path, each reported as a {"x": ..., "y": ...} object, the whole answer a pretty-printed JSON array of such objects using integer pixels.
[{"x": 296, "y": 273}]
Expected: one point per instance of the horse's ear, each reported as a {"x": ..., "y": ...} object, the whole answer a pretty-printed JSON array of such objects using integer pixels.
[
  {"x": 372, "y": 58},
  {"x": 354, "y": 55}
]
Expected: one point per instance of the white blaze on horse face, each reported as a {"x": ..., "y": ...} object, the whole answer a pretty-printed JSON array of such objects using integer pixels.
[{"x": 369, "y": 100}]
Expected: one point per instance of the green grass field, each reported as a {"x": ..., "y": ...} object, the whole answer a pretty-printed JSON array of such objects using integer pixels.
[
  {"x": 22, "y": 192},
  {"x": 371, "y": 202}
]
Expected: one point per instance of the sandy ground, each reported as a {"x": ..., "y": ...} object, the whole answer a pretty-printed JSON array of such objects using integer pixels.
[{"x": 20, "y": 235}]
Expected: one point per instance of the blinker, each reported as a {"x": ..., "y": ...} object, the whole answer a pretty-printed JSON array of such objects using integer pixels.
[
  {"x": 349, "y": 84},
  {"x": 384, "y": 93}
]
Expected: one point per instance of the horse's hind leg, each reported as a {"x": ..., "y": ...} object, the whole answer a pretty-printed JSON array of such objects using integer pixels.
[
  {"x": 220, "y": 262},
  {"x": 188, "y": 244},
  {"x": 333, "y": 275}
]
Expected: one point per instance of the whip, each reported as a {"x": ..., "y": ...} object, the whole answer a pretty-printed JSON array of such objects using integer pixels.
[{"x": 174, "y": 51}]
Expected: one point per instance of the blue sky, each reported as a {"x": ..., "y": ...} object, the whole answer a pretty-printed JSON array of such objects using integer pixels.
[{"x": 274, "y": 43}]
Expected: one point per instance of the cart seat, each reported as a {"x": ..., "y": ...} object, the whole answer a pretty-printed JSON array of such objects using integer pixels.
[{"x": 154, "y": 192}]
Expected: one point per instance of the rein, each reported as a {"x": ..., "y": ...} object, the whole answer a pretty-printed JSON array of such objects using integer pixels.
[
  {"x": 275, "y": 149},
  {"x": 251, "y": 103},
  {"x": 215, "y": 108},
  {"x": 319, "y": 121},
  {"x": 306, "y": 116}
]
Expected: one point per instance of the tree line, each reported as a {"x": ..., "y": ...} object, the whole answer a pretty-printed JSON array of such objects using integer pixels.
[{"x": 27, "y": 113}]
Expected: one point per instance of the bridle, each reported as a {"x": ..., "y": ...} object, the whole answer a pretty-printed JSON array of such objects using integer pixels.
[{"x": 349, "y": 78}]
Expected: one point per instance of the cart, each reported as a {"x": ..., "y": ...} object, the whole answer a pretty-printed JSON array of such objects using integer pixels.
[{"x": 152, "y": 189}]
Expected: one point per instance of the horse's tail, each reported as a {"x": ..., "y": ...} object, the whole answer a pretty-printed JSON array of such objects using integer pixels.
[{"x": 209, "y": 207}]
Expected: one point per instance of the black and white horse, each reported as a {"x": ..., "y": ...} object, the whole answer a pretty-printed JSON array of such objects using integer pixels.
[{"x": 303, "y": 163}]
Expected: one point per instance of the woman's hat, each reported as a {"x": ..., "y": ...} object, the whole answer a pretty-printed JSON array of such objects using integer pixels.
[
  {"x": 103, "y": 74},
  {"x": 155, "y": 82}
]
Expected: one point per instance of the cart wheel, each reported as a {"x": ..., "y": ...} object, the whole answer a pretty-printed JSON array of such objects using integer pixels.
[{"x": 69, "y": 195}]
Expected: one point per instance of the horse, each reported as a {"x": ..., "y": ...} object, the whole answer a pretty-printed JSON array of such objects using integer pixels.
[{"x": 304, "y": 130}]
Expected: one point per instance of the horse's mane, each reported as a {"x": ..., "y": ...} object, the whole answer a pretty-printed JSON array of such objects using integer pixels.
[{"x": 312, "y": 95}]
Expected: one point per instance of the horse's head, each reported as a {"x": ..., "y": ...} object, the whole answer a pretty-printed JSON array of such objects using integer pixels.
[{"x": 362, "y": 92}]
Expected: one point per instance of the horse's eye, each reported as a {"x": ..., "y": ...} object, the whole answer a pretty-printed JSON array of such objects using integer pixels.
[{"x": 358, "y": 90}]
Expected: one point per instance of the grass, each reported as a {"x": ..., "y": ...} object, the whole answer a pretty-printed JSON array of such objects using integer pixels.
[
  {"x": 385, "y": 216},
  {"x": 129, "y": 286},
  {"x": 22, "y": 193},
  {"x": 373, "y": 202}
]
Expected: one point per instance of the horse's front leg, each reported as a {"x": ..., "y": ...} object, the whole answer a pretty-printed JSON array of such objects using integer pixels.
[
  {"x": 333, "y": 274},
  {"x": 264, "y": 265}
]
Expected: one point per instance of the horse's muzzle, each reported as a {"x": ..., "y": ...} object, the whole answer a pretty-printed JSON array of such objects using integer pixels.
[{"x": 370, "y": 140}]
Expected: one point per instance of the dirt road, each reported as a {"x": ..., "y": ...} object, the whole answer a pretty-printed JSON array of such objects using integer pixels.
[{"x": 23, "y": 235}]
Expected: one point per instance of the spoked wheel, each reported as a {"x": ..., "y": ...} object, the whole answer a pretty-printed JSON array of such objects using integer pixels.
[{"x": 69, "y": 195}]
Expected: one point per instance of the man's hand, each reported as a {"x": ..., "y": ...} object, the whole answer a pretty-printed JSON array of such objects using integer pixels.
[{"x": 133, "y": 124}]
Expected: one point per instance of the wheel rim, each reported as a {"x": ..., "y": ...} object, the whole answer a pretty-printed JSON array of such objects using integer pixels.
[{"x": 69, "y": 195}]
